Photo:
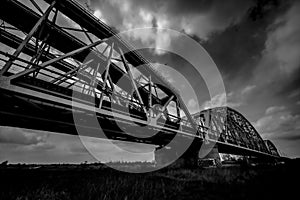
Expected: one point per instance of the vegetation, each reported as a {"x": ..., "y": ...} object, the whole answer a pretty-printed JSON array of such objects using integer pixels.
[{"x": 95, "y": 181}]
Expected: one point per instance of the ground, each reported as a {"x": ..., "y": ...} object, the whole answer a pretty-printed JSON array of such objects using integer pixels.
[{"x": 100, "y": 182}]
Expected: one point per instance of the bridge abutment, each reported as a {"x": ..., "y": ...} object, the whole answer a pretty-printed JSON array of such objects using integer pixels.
[
  {"x": 210, "y": 151},
  {"x": 190, "y": 158}
]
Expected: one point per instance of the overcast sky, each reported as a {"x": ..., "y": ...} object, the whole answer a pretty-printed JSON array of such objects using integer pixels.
[{"x": 255, "y": 44}]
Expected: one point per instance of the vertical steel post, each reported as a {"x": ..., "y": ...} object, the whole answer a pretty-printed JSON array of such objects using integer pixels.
[
  {"x": 106, "y": 73},
  {"x": 150, "y": 93},
  {"x": 93, "y": 81}
]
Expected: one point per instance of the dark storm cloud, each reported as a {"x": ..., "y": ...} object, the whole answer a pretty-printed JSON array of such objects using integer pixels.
[
  {"x": 238, "y": 49},
  {"x": 233, "y": 32},
  {"x": 224, "y": 9},
  {"x": 279, "y": 67},
  {"x": 172, "y": 6},
  {"x": 235, "y": 51},
  {"x": 194, "y": 17},
  {"x": 291, "y": 87}
]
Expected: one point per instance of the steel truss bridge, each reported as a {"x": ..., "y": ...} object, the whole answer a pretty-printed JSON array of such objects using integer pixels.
[{"x": 49, "y": 71}]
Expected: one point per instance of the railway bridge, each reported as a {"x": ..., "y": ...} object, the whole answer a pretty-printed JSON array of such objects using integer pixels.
[{"x": 50, "y": 71}]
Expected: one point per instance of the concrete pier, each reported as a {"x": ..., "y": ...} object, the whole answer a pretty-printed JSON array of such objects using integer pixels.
[{"x": 190, "y": 158}]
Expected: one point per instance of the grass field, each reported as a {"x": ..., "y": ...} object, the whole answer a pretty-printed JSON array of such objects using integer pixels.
[{"x": 99, "y": 182}]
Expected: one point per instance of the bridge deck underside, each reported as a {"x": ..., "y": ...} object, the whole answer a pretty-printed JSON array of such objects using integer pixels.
[{"x": 40, "y": 115}]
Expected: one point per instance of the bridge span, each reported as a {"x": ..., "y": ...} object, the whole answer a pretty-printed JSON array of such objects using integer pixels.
[{"x": 51, "y": 73}]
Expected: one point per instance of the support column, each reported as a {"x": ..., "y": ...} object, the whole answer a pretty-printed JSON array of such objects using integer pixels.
[
  {"x": 210, "y": 151},
  {"x": 190, "y": 158}
]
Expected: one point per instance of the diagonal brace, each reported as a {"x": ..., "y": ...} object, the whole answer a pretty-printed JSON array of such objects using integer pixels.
[
  {"x": 54, "y": 60},
  {"x": 26, "y": 40},
  {"x": 132, "y": 79}
]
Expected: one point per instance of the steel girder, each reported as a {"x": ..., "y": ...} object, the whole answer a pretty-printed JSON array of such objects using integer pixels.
[
  {"x": 50, "y": 58},
  {"x": 272, "y": 148},
  {"x": 53, "y": 61},
  {"x": 229, "y": 126}
]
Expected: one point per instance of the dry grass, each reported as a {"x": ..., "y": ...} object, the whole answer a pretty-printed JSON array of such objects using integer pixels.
[{"x": 98, "y": 182}]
